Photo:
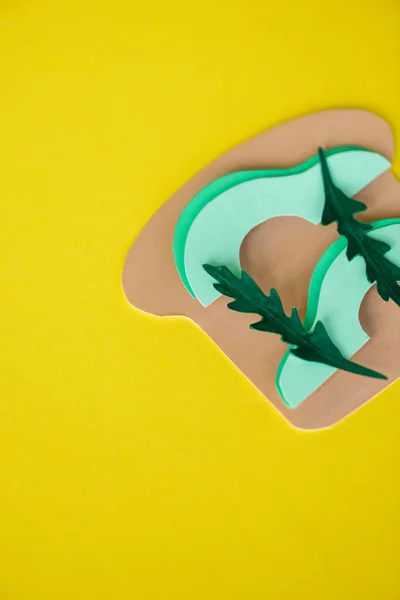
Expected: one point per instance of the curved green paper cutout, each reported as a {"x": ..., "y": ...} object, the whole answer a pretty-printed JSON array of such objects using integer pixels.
[
  {"x": 216, "y": 234},
  {"x": 222, "y": 184},
  {"x": 334, "y": 275}
]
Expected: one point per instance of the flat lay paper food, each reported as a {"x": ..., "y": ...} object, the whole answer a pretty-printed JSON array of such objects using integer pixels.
[
  {"x": 138, "y": 461},
  {"x": 289, "y": 185}
]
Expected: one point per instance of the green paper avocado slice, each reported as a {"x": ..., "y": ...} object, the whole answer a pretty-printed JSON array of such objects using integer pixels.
[
  {"x": 213, "y": 225},
  {"x": 336, "y": 291}
]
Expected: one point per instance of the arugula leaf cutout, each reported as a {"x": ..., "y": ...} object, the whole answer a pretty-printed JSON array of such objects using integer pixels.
[
  {"x": 341, "y": 208},
  {"x": 314, "y": 346}
]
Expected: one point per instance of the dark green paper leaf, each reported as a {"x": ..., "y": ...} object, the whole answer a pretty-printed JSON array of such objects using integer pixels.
[
  {"x": 341, "y": 208},
  {"x": 315, "y": 346}
]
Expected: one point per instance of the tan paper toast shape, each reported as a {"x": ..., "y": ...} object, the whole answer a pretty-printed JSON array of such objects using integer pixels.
[{"x": 280, "y": 253}]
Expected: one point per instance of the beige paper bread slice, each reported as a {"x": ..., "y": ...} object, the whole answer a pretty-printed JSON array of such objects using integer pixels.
[{"x": 280, "y": 253}]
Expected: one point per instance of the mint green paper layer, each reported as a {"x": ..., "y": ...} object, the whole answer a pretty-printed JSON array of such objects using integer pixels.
[
  {"x": 214, "y": 224},
  {"x": 337, "y": 289}
]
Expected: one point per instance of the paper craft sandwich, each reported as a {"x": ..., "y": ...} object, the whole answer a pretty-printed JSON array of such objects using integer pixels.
[{"x": 286, "y": 252}]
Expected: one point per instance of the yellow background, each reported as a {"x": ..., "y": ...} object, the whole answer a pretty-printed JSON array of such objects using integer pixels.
[{"x": 135, "y": 461}]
